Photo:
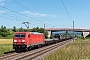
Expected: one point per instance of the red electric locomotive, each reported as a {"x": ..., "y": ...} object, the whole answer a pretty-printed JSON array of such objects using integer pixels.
[{"x": 26, "y": 40}]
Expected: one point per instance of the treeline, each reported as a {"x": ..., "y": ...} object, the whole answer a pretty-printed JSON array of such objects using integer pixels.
[{"x": 9, "y": 33}]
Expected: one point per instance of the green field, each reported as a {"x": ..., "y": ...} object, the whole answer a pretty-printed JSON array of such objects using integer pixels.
[
  {"x": 6, "y": 45},
  {"x": 78, "y": 50}
]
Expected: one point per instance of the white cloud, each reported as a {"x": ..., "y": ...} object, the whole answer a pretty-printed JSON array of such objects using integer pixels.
[
  {"x": 2, "y": 2},
  {"x": 38, "y": 14},
  {"x": 2, "y": 12}
]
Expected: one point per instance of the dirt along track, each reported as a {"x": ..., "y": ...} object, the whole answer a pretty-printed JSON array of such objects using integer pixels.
[{"x": 33, "y": 54}]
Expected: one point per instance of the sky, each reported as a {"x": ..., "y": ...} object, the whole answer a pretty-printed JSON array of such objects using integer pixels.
[{"x": 52, "y": 13}]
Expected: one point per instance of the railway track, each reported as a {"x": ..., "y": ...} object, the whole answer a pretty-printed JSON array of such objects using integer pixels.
[
  {"x": 30, "y": 55},
  {"x": 7, "y": 55}
]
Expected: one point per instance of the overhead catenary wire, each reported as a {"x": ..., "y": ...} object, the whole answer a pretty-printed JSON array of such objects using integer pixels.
[
  {"x": 10, "y": 18},
  {"x": 19, "y": 13},
  {"x": 14, "y": 18},
  {"x": 28, "y": 9},
  {"x": 69, "y": 17},
  {"x": 18, "y": 19},
  {"x": 66, "y": 9}
]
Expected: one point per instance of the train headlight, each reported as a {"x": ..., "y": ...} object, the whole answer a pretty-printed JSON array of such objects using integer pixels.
[
  {"x": 15, "y": 40},
  {"x": 23, "y": 40}
]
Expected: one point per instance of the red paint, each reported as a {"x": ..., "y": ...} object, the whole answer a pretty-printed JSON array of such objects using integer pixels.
[{"x": 30, "y": 38}]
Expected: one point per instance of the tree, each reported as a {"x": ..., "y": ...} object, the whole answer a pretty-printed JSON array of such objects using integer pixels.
[
  {"x": 14, "y": 29},
  {"x": 1, "y": 26},
  {"x": 21, "y": 29},
  {"x": 40, "y": 30},
  {"x": 52, "y": 36},
  {"x": 35, "y": 29},
  {"x": 4, "y": 31},
  {"x": 66, "y": 33},
  {"x": 46, "y": 34},
  {"x": 0, "y": 33}
]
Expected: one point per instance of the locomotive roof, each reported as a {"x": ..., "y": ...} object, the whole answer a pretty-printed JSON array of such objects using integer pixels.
[
  {"x": 35, "y": 33},
  {"x": 30, "y": 32},
  {"x": 21, "y": 32}
]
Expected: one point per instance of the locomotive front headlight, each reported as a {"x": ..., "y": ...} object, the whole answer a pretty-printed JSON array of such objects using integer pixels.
[
  {"x": 15, "y": 40},
  {"x": 23, "y": 40}
]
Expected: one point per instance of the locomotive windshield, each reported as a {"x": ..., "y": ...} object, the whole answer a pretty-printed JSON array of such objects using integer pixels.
[
  {"x": 19, "y": 35},
  {"x": 22, "y": 35}
]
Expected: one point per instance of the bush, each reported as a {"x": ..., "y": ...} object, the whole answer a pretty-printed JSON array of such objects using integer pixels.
[{"x": 51, "y": 36}]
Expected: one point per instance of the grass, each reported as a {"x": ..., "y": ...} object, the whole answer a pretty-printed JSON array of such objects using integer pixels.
[
  {"x": 6, "y": 45},
  {"x": 6, "y": 41},
  {"x": 78, "y": 50},
  {"x": 5, "y": 48}
]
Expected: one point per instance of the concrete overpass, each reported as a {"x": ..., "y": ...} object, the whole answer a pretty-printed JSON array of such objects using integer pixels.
[{"x": 84, "y": 31}]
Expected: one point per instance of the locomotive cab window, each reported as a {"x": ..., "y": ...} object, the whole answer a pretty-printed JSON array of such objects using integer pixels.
[
  {"x": 22, "y": 35},
  {"x": 19, "y": 35}
]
